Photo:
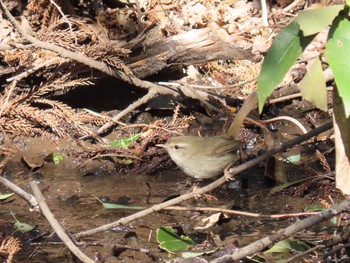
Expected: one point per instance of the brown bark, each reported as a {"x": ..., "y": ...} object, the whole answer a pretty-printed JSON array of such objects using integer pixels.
[{"x": 152, "y": 52}]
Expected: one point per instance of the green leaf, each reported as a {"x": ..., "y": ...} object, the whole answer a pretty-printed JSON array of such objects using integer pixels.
[
  {"x": 171, "y": 242},
  {"x": 313, "y": 21},
  {"x": 257, "y": 258},
  {"x": 286, "y": 185},
  {"x": 319, "y": 208},
  {"x": 334, "y": 221},
  {"x": 127, "y": 161},
  {"x": 198, "y": 254},
  {"x": 342, "y": 143},
  {"x": 125, "y": 142},
  {"x": 337, "y": 52},
  {"x": 23, "y": 227},
  {"x": 286, "y": 245},
  {"x": 315, "y": 208},
  {"x": 117, "y": 206},
  {"x": 313, "y": 86},
  {"x": 5, "y": 196},
  {"x": 57, "y": 158},
  {"x": 286, "y": 48},
  {"x": 294, "y": 159}
]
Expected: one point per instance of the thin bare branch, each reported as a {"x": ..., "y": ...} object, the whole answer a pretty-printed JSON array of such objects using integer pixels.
[
  {"x": 150, "y": 95},
  {"x": 56, "y": 226},
  {"x": 19, "y": 191}
]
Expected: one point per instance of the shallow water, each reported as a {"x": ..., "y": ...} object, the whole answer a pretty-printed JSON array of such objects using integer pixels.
[{"x": 70, "y": 194}]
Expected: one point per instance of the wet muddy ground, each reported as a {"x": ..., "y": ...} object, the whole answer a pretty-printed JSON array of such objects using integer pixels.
[{"x": 71, "y": 195}]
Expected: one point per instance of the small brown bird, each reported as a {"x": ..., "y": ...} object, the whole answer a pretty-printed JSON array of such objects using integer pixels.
[{"x": 207, "y": 157}]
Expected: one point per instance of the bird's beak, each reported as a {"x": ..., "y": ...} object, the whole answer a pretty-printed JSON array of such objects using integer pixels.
[{"x": 162, "y": 146}]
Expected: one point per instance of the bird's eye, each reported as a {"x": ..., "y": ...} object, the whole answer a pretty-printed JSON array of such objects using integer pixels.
[{"x": 176, "y": 146}]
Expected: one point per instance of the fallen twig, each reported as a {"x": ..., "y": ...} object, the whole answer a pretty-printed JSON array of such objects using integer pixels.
[
  {"x": 207, "y": 87},
  {"x": 19, "y": 191},
  {"x": 301, "y": 254},
  {"x": 59, "y": 9},
  {"x": 26, "y": 73},
  {"x": 237, "y": 212},
  {"x": 150, "y": 95},
  {"x": 7, "y": 95},
  {"x": 290, "y": 97},
  {"x": 61, "y": 233},
  {"x": 286, "y": 118}
]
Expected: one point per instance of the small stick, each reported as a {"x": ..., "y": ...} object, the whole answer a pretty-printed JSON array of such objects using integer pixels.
[
  {"x": 31, "y": 70},
  {"x": 264, "y": 13},
  {"x": 207, "y": 87},
  {"x": 290, "y": 97},
  {"x": 19, "y": 191},
  {"x": 61, "y": 233},
  {"x": 237, "y": 212},
  {"x": 286, "y": 118},
  {"x": 59, "y": 9},
  {"x": 150, "y": 95},
  {"x": 8, "y": 93}
]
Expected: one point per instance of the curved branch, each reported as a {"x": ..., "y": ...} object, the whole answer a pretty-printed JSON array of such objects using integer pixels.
[
  {"x": 61, "y": 233},
  {"x": 150, "y": 95}
]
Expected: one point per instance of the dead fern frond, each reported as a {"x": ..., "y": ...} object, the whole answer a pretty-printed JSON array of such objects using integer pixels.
[
  {"x": 48, "y": 119},
  {"x": 103, "y": 151},
  {"x": 23, "y": 111},
  {"x": 63, "y": 37},
  {"x": 82, "y": 36},
  {"x": 17, "y": 100},
  {"x": 17, "y": 127},
  {"x": 62, "y": 85},
  {"x": 179, "y": 123},
  {"x": 65, "y": 114},
  {"x": 58, "y": 119},
  {"x": 323, "y": 161},
  {"x": 108, "y": 54},
  {"x": 41, "y": 13},
  {"x": 25, "y": 108},
  {"x": 91, "y": 119},
  {"x": 19, "y": 57},
  {"x": 26, "y": 111},
  {"x": 9, "y": 247},
  {"x": 68, "y": 111},
  {"x": 33, "y": 121}
]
